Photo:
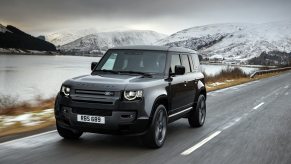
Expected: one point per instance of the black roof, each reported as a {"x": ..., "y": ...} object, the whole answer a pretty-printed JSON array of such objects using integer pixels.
[{"x": 155, "y": 48}]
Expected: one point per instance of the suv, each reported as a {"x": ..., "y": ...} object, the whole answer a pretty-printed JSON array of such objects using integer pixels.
[{"x": 134, "y": 90}]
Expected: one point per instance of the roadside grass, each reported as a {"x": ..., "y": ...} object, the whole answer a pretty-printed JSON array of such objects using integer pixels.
[
  {"x": 232, "y": 77},
  {"x": 226, "y": 74},
  {"x": 18, "y": 127},
  {"x": 40, "y": 117},
  {"x": 17, "y": 108},
  {"x": 19, "y": 117}
]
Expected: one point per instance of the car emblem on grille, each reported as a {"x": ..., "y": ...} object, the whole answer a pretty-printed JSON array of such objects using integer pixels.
[{"x": 108, "y": 93}]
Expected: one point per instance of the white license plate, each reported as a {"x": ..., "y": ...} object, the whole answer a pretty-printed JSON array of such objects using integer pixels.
[{"x": 91, "y": 119}]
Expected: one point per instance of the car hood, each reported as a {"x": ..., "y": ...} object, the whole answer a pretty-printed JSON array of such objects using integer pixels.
[{"x": 108, "y": 82}]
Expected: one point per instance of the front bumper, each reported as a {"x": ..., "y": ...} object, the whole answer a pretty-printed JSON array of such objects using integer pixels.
[{"x": 125, "y": 118}]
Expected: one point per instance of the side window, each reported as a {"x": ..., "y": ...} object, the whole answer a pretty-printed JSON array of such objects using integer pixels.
[
  {"x": 185, "y": 63},
  {"x": 175, "y": 61}
]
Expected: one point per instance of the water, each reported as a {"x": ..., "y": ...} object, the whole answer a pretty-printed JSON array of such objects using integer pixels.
[{"x": 27, "y": 77}]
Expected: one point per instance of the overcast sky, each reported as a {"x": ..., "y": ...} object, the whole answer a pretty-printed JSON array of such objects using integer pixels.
[{"x": 165, "y": 16}]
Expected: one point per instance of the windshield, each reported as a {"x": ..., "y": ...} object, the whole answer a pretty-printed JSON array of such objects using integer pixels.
[{"x": 133, "y": 60}]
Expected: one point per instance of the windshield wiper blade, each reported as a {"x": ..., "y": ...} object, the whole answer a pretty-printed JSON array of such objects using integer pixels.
[
  {"x": 105, "y": 70},
  {"x": 136, "y": 72}
]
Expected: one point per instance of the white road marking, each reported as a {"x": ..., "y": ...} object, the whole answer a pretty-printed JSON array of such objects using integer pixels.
[
  {"x": 272, "y": 93},
  {"x": 287, "y": 86},
  {"x": 201, "y": 143},
  {"x": 28, "y": 137},
  {"x": 222, "y": 90},
  {"x": 256, "y": 107},
  {"x": 233, "y": 122},
  {"x": 243, "y": 85}
]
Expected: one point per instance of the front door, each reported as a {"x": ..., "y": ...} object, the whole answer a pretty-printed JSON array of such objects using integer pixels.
[{"x": 179, "y": 87}]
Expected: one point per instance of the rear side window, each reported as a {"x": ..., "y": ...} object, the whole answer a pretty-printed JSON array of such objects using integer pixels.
[
  {"x": 175, "y": 61},
  {"x": 186, "y": 63},
  {"x": 196, "y": 62},
  {"x": 191, "y": 62}
]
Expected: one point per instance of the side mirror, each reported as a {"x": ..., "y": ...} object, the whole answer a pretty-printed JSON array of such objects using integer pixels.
[
  {"x": 93, "y": 65},
  {"x": 179, "y": 70}
]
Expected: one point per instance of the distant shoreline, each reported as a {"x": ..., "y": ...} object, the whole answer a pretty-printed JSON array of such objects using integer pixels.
[
  {"x": 48, "y": 54},
  {"x": 238, "y": 65}
]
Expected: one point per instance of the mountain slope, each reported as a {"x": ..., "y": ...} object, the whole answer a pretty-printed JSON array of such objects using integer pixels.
[
  {"x": 234, "y": 41},
  {"x": 100, "y": 42},
  {"x": 11, "y": 37},
  {"x": 63, "y": 37}
]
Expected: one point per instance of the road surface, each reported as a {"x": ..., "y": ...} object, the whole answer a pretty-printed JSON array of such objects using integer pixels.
[{"x": 249, "y": 123}]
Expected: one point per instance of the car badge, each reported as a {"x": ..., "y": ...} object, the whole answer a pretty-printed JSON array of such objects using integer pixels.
[{"x": 108, "y": 93}]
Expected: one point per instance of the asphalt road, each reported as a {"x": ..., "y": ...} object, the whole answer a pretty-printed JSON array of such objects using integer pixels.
[{"x": 249, "y": 123}]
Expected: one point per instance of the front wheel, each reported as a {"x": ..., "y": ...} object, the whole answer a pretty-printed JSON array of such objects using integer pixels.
[
  {"x": 197, "y": 116},
  {"x": 156, "y": 135},
  {"x": 68, "y": 134}
]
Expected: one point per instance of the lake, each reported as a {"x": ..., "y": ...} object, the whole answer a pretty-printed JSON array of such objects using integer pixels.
[{"x": 26, "y": 77}]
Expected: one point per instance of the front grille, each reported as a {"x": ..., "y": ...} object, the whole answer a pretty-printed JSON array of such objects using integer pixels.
[
  {"x": 92, "y": 92},
  {"x": 88, "y": 111}
]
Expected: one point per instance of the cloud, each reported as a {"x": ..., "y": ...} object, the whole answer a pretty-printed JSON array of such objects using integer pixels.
[{"x": 40, "y": 16}]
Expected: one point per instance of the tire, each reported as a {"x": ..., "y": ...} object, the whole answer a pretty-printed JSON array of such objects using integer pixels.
[
  {"x": 197, "y": 116},
  {"x": 68, "y": 134},
  {"x": 156, "y": 135}
]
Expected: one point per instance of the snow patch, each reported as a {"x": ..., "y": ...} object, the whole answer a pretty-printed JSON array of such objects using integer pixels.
[
  {"x": 100, "y": 42},
  {"x": 234, "y": 41},
  {"x": 63, "y": 37},
  {"x": 26, "y": 119}
]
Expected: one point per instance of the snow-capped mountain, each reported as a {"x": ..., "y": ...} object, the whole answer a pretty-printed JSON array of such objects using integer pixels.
[
  {"x": 100, "y": 42},
  {"x": 234, "y": 41},
  {"x": 63, "y": 37}
]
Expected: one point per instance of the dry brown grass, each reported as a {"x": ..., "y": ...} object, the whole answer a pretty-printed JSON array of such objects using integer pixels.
[
  {"x": 226, "y": 74},
  {"x": 21, "y": 107},
  {"x": 228, "y": 84},
  {"x": 19, "y": 128},
  {"x": 238, "y": 81},
  {"x": 24, "y": 107}
]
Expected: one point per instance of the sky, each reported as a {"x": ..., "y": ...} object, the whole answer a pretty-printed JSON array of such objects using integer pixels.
[{"x": 165, "y": 16}]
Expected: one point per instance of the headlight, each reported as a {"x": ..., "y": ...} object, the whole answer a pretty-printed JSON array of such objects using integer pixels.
[
  {"x": 132, "y": 95},
  {"x": 66, "y": 90}
]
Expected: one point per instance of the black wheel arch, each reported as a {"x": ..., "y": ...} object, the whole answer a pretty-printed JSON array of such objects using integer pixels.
[
  {"x": 201, "y": 90},
  {"x": 162, "y": 99}
]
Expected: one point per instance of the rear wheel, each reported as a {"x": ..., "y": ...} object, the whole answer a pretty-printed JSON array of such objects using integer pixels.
[
  {"x": 197, "y": 116},
  {"x": 68, "y": 134},
  {"x": 156, "y": 135}
]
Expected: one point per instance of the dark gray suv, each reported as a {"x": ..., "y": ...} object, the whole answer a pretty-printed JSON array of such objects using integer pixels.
[{"x": 134, "y": 90}]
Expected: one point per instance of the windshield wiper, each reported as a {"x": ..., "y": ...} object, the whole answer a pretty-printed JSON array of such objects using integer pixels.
[
  {"x": 105, "y": 70},
  {"x": 136, "y": 72}
]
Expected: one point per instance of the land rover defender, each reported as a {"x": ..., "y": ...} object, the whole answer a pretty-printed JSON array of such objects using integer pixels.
[{"x": 134, "y": 90}]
